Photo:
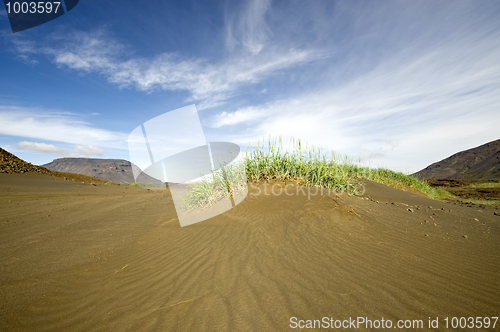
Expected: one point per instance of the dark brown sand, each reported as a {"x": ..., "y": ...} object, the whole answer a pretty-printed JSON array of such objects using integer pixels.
[{"x": 76, "y": 257}]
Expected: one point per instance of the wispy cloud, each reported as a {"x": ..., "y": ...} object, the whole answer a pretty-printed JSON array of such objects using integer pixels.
[
  {"x": 42, "y": 147},
  {"x": 23, "y": 49},
  {"x": 209, "y": 84},
  {"x": 248, "y": 27},
  {"x": 79, "y": 151},
  {"x": 89, "y": 150},
  {"x": 425, "y": 103},
  {"x": 402, "y": 84},
  {"x": 245, "y": 115},
  {"x": 54, "y": 126}
]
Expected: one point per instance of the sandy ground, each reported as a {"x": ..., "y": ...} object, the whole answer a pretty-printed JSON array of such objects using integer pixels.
[{"x": 76, "y": 257}]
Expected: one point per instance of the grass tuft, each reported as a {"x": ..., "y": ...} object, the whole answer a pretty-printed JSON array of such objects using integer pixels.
[
  {"x": 220, "y": 184},
  {"x": 308, "y": 166},
  {"x": 303, "y": 164}
]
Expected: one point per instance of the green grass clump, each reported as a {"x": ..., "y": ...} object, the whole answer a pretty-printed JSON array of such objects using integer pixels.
[
  {"x": 227, "y": 181},
  {"x": 307, "y": 166},
  {"x": 485, "y": 185}
]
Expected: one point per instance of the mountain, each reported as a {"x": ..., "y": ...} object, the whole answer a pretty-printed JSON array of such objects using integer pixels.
[
  {"x": 480, "y": 163},
  {"x": 10, "y": 164},
  {"x": 113, "y": 170}
]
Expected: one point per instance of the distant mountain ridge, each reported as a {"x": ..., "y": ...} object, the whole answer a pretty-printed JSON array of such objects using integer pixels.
[
  {"x": 113, "y": 170},
  {"x": 480, "y": 163}
]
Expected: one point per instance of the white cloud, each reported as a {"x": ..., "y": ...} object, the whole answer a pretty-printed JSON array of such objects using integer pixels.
[
  {"x": 89, "y": 150},
  {"x": 242, "y": 115},
  {"x": 23, "y": 45},
  {"x": 407, "y": 112},
  {"x": 382, "y": 150},
  {"x": 423, "y": 76},
  {"x": 210, "y": 84},
  {"x": 48, "y": 125},
  {"x": 26, "y": 59},
  {"x": 79, "y": 151},
  {"x": 248, "y": 27},
  {"x": 42, "y": 147}
]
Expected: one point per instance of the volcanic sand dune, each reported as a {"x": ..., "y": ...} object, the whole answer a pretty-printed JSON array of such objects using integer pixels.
[{"x": 94, "y": 258}]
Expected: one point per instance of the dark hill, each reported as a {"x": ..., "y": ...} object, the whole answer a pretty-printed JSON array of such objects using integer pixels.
[
  {"x": 114, "y": 170},
  {"x": 480, "y": 163},
  {"x": 9, "y": 163}
]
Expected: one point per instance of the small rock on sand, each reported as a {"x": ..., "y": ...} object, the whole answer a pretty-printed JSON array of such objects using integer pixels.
[{"x": 410, "y": 209}]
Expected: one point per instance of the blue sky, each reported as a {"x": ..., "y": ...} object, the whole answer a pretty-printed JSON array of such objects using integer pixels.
[{"x": 400, "y": 84}]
